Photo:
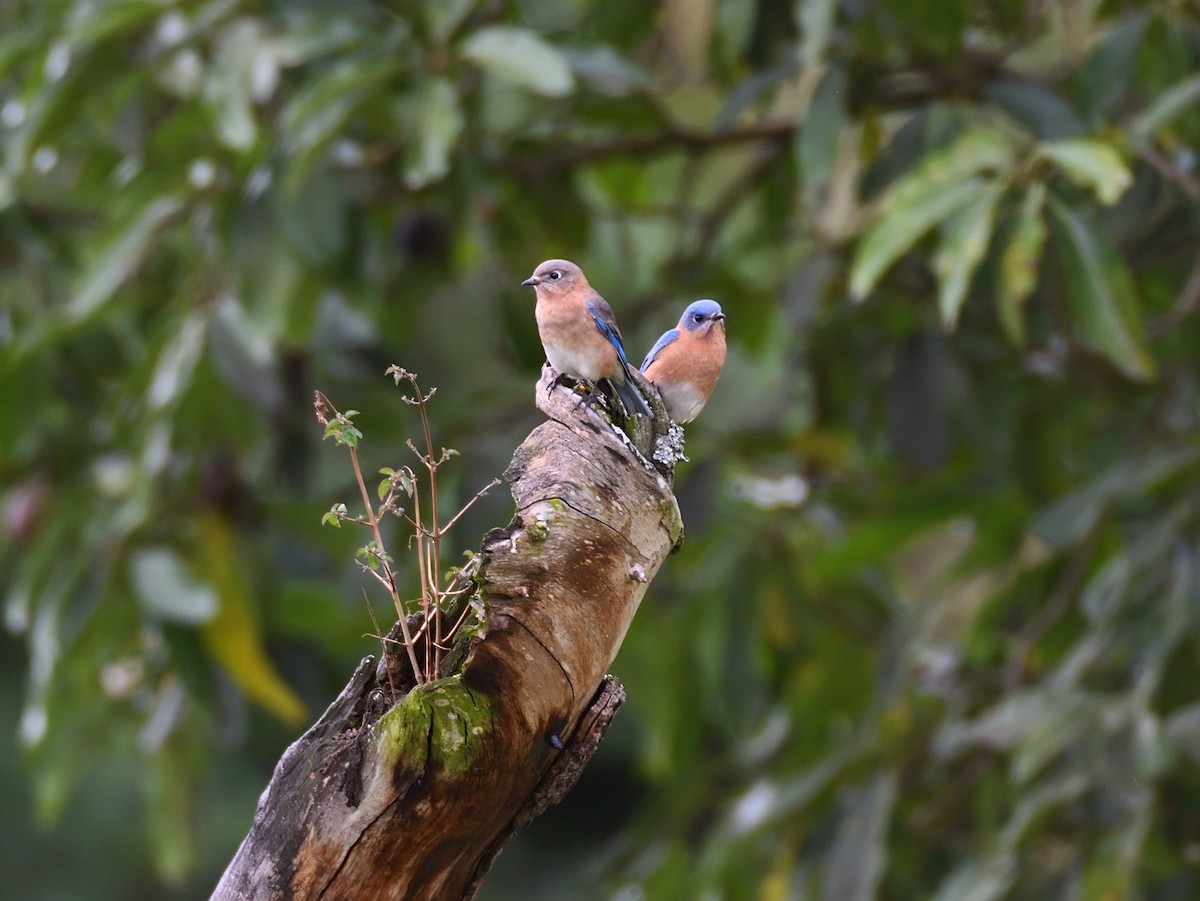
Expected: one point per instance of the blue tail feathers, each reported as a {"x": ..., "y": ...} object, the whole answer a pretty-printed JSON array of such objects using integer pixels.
[{"x": 632, "y": 398}]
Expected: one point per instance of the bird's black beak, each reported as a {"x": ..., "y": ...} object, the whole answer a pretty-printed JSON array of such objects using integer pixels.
[
  {"x": 531, "y": 281},
  {"x": 720, "y": 316}
]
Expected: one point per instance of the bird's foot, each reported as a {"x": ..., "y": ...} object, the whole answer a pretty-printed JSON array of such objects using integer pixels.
[
  {"x": 584, "y": 395},
  {"x": 555, "y": 382}
]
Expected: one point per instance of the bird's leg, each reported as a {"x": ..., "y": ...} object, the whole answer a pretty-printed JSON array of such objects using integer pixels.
[
  {"x": 555, "y": 382},
  {"x": 561, "y": 379},
  {"x": 584, "y": 395},
  {"x": 609, "y": 391}
]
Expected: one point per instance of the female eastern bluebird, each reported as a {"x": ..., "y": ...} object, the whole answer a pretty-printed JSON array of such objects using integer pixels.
[
  {"x": 579, "y": 332},
  {"x": 686, "y": 361}
]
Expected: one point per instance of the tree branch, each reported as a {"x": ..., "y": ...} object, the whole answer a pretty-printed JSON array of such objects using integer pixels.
[{"x": 670, "y": 140}]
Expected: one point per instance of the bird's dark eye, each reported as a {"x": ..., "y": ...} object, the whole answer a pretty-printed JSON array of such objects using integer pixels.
[
  {"x": 555, "y": 275},
  {"x": 696, "y": 317}
]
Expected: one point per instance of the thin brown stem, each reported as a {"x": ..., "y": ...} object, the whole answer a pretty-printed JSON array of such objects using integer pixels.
[
  {"x": 422, "y": 575},
  {"x": 376, "y": 575},
  {"x": 427, "y": 536},
  {"x": 435, "y": 529},
  {"x": 373, "y": 522},
  {"x": 382, "y": 641},
  {"x": 469, "y": 504},
  {"x": 461, "y": 619},
  {"x": 434, "y": 572}
]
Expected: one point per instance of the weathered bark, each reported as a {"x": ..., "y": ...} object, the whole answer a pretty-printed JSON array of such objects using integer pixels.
[{"x": 414, "y": 797}]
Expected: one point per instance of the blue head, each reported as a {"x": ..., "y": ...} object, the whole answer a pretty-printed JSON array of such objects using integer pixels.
[{"x": 702, "y": 316}]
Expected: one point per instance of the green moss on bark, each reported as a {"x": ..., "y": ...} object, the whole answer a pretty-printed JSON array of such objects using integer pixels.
[{"x": 439, "y": 728}]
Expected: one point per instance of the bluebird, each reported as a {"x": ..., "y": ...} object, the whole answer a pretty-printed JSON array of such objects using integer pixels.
[
  {"x": 579, "y": 332},
  {"x": 685, "y": 362}
]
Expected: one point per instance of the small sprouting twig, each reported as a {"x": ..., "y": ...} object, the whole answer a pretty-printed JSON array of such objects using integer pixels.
[
  {"x": 429, "y": 550},
  {"x": 343, "y": 431},
  {"x": 379, "y": 631},
  {"x": 426, "y": 535},
  {"x": 433, "y": 508}
]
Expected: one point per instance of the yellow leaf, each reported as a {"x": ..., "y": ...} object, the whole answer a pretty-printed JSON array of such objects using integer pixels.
[{"x": 233, "y": 636}]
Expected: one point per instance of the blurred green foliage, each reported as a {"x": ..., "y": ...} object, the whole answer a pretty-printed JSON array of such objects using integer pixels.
[{"x": 934, "y": 630}]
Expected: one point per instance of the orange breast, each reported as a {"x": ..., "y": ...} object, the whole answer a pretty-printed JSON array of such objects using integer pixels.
[
  {"x": 573, "y": 344},
  {"x": 686, "y": 371}
]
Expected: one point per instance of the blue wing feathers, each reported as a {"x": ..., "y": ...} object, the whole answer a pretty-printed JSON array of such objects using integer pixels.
[
  {"x": 602, "y": 315},
  {"x": 607, "y": 323},
  {"x": 662, "y": 342}
]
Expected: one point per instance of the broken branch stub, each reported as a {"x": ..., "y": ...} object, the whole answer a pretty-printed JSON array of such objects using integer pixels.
[{"x": 413, "y": 797}]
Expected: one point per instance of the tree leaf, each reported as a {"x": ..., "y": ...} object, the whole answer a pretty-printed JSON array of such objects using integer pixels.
[
  {"x": 980, "y": 878},
  {"x": 1105, "y": 78},
  {"x": 1046, "y": 113},
  {"x": 1183, "y": 730},
  {"x": 606, "y": 71},
  {"x": 233, "y": 635},
  {"x": 317, "y": 114},
  {"x": 228, "y": 88},
  {"x": 169, "y": 801},
  {"x": 1019, "y": 262},
  {"x": 167, "y": 589},
  {"x": 434, "y": 123},
  {"x": 1092, "y": 164},
  {"x": 815, "y": 19},
  {"x": 520, "y": 56},
  {"x": 990, "y": 875},
  {"x": 749, "y": 91},
  {"x": 1065, "y": 521},
  {"x": 965, "y": 238},
  {"x": 1106, "y": 590},
  {"x": 818, "y": 136},
  {"x": 1100, "y": 293},
  {"x": 114, "y": 262},
  {"x": 444, "y": 17},
  {"x": 859, "y": 852},
  {"x": 941, "y": 183},
  {"x": 1164, "y": 109},
  {"x": 95, "y": 24},
  {"x": 242, "y": 356},
  {"x": 902, "y": 227},
  {"x": 176, "y": 363}
]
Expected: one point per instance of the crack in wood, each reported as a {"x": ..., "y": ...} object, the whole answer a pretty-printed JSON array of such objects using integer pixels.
[
  {"x": 549, "y": 653},
  {"x": 600, "y": 522},
  {"x": 362, "y": 834}
]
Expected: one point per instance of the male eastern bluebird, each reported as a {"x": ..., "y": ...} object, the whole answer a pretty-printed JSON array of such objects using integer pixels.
[
  {"x": 686, "y": 361},
  {"x": 579, "y": 332}
]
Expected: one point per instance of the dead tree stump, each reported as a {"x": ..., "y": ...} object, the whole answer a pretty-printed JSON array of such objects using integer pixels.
[{"x": 412, "y": 797}]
